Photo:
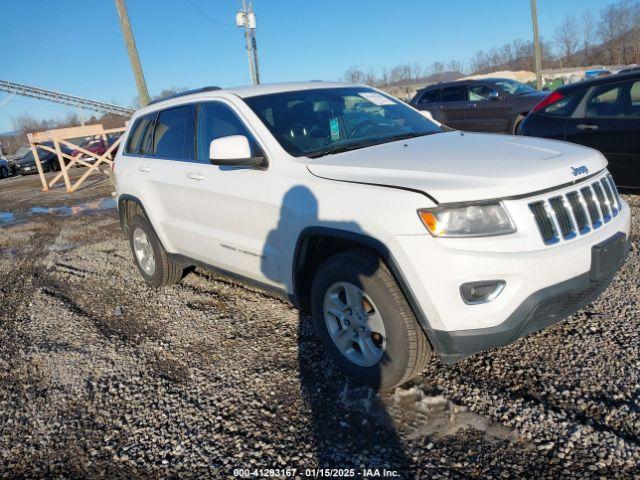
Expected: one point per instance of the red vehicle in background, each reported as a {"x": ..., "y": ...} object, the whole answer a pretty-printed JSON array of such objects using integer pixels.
[{"x": 97, "y": 146}]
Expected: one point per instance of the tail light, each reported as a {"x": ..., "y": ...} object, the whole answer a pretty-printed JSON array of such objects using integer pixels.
[{"x": 552, "y": 98}]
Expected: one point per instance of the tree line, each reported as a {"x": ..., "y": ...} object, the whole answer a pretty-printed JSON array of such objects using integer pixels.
[{"x": 611, "y": 37}]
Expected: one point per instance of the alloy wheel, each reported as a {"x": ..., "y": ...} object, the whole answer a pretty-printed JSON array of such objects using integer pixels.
[
  {"x": 144, "y": 251},
  {"x": 354, "y": 324}
]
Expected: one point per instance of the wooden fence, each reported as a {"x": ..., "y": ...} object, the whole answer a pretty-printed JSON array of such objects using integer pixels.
[{"x": 51, "y": 141}]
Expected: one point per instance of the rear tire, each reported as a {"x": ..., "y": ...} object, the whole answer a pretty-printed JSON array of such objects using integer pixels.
[
  {"x": 153, "y": 262},
  {"x": 385, "y": 321},
  {"x": 4, "y": 172}
]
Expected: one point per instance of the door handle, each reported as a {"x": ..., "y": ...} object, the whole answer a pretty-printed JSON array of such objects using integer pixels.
[
  {"x": 473, "y": 105},
  {"x": 144, "y": 168},
  {"x": 585, "y": 126},
  {"x": 195, "y": 176}
]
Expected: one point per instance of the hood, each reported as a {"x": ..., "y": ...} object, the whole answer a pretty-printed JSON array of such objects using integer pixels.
[
  {"x": 461, "y": 167},
  {"x": 26, "y": 161}
]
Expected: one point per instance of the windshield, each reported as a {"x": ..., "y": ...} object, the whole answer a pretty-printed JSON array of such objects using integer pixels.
[
  {"x": 329, "y": 120},
  {"x": 512, "y": 87}
]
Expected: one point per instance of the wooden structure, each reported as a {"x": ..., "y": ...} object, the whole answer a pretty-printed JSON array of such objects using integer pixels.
[{"x": 61, "y": 136}]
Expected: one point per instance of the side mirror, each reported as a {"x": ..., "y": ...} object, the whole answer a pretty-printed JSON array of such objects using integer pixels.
[
  {"x": 233, "y": 151},
  {"x": 494, "y": 95}
]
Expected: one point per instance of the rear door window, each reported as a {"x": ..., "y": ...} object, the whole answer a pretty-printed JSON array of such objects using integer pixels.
[
  {"x": 454, "y": 94},
  {"x": 430, "y": 96},
  {"x": 614, "y": 101},
  {"x": 174, "y": 134}
]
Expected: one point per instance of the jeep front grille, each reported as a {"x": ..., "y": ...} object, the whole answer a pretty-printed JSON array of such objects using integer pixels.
[{"x": 565, "y": 216}]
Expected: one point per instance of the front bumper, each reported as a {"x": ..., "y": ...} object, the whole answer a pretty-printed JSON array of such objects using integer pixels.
[
  {"x": 540, "y": 310},
  {"x": 27, "y": 170},
  {"x": 542, "y": 285}
]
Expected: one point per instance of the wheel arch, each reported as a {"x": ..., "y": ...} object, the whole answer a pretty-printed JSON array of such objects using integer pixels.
[
  {"x": 128, "y": 205},
  {"x": 329, "y": 241},
  {"x": 516, "y": 117}
]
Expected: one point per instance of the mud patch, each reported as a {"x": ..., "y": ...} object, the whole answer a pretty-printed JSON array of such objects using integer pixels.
[{"x": 423, "y": 414}]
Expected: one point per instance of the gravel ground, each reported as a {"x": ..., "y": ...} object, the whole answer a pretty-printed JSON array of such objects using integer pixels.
[{"x": 101, "y": 375}]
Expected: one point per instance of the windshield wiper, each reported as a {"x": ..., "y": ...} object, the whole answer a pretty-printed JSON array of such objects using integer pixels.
[{"x": 378, "y": 141}]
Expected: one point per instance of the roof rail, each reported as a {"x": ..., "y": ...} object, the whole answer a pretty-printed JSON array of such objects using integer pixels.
[{"x": 186, "y": 92}]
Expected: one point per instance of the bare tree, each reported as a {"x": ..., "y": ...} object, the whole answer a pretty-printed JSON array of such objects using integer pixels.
[
  {"x": 479, "y": 63},
  {"x": 611, "y": 29},
  {"x": 370, "y": 77},
  {"x": 566, "y": 35},
  {"x": 25, "y": 123},
  {"x": 589, "y": 35},
  {"x": 455, "y": 66},
  {"x": 354, "y": 75},
  {"x": 635, "y": 33}
]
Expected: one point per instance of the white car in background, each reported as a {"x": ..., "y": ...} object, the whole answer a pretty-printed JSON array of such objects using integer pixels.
[{"x": 399, "y": 237}]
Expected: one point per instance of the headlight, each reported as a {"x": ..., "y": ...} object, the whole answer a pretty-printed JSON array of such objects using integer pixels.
[{"x": 480, "y": 220}]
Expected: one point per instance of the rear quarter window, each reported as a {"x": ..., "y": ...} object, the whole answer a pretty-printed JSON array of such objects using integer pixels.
[
  {"x": 565, "y": 106},
  {"x": 137, "y": 133}
]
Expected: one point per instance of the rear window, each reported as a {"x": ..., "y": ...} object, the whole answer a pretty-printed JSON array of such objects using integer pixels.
[{"x": 174, "y": 135}]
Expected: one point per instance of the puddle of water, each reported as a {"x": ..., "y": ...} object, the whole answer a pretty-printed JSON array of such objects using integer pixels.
[
  {"x": 10, "y": 218},
  {"x": 7, "y": 217}
]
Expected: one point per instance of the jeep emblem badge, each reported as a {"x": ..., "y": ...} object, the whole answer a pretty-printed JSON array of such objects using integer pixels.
[{"x": 579, "y": 170}]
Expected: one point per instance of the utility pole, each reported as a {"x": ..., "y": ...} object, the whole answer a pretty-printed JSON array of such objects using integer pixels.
[
  {"x": 143, "y": 93},
  {"x": 247, "y": 19},
  {"x": 536, "y": 44}
]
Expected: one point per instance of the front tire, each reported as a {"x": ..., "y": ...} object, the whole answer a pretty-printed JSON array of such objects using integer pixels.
[
  {"x": 4, "y": 172},
  {"x": 365, "y": 323},
  {"x": 518, "y": 124},
  {"x": 152, "y": 260}
]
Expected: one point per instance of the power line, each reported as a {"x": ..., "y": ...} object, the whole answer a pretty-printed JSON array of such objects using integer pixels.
[
  {"x": 204, "y": 14},
  {"x": 7, "y": 100}
]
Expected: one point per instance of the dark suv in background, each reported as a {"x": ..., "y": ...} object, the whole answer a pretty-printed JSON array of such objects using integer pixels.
[
  {"x": 603, "y": 114},
  {"x": 489, "y": 105}
]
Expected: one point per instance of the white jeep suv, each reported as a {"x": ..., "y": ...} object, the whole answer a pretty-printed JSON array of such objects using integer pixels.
[{"x": 400, "y": 236}]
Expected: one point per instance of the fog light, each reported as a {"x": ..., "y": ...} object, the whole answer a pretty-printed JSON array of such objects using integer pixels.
[{"x": 481, "y": 292}]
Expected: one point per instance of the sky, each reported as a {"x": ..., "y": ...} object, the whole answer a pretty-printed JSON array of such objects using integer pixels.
[{"x": 76, "y": 46}]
